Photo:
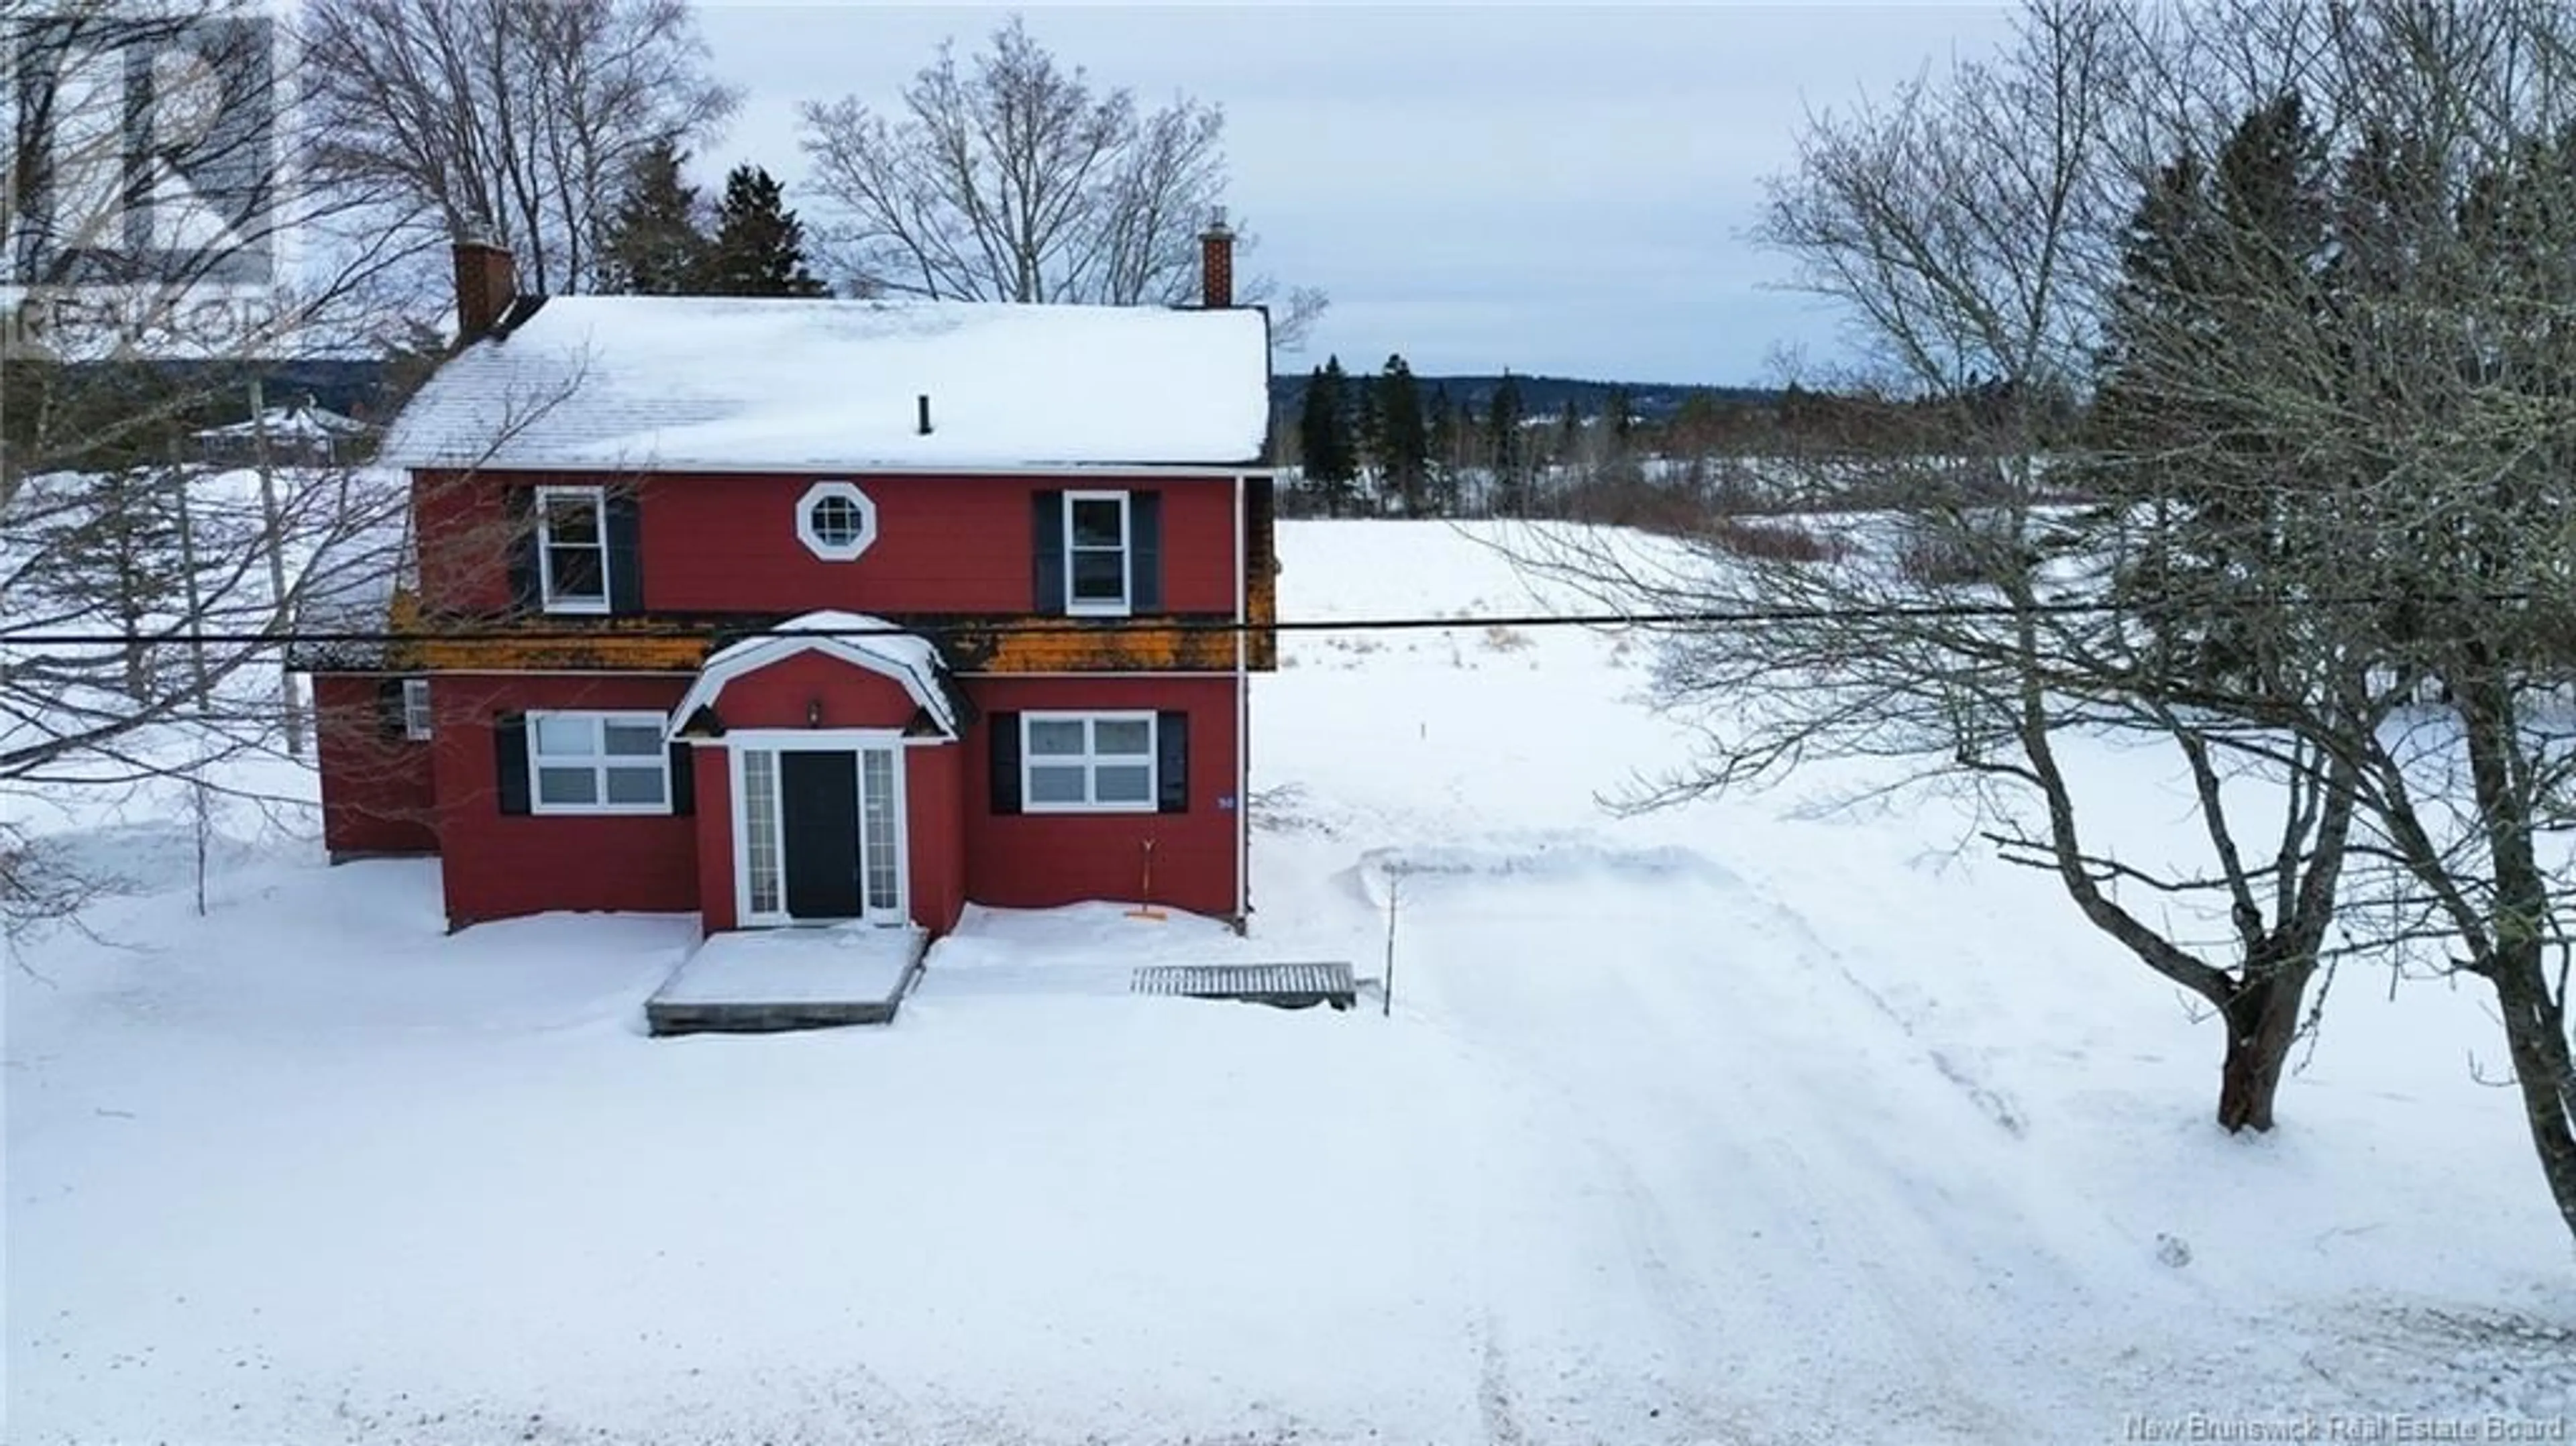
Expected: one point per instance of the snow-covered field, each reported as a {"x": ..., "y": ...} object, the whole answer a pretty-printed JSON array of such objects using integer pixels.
[{"x": 1731, "y": 1123}]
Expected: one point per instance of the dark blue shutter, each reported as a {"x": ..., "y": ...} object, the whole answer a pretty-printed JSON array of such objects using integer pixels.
[
  {"x": 1005, "y": 728},
  {"x": 1145, "y": 550},
  {"x": 391, "y": 717},
  {"x": 510, "y": 761},
  {"x": 520, "y": 504},
  {"x": 684, "y": 778},
  {"x": 1046, "y": 551},
  {"x": 1172, "y": 762},
  {"x": 623, "y": 526}
]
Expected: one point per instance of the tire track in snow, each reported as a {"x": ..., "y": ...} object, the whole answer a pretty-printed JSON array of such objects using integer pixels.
[
  {"x": 1848, "y": 1326},
  {"x": 1494, "y": 1393}
]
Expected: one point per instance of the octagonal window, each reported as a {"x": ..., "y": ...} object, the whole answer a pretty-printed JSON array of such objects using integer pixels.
[{"x": 836, "y": 521}]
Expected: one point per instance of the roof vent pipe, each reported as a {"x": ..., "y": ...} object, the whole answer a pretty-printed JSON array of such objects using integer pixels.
[{"x": 925, "y": 414}]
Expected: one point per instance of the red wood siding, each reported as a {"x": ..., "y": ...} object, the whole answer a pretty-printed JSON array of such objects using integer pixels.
[
  {"x": 463, "y": 525},
  {"x": 723, "y": 543},
  {"x": 1036, "y": 860},
  {"x": 944, "y": 544},
  {"x": 499, "y": 866},
  {"x": 376, "y": 789},
  {"x": 934, "y": 815},
  {"x": 715, "y": 838},
  {"x": 783, "y": 694}
]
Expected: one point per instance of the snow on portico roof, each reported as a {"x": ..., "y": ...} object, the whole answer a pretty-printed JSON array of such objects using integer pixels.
[
  {"x": 737, "y": 384},
  {"x": 858, "y": 639}
]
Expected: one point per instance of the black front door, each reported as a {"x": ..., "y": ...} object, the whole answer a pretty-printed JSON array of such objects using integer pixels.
[{"x": 819, "y": 804}]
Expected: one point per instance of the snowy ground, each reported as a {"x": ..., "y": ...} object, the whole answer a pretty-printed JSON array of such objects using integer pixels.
[{"x": 1728, "y": 1124}]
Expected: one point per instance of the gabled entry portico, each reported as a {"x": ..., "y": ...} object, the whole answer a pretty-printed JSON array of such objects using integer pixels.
[{"x": 833, "y": 743}]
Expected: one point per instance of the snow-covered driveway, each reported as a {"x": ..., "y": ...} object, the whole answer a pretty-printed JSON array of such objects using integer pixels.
[{"x": 1726, "y": 1200}]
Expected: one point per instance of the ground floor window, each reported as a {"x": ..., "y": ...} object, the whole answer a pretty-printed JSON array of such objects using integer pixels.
[
  {"x": 598, "y": 763},
  {"x": 1087, "y": 762},
  {"x": 415, "y": 709}
]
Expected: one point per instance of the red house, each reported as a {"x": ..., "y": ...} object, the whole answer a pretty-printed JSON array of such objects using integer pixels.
[{"x": 791, "y": 610}]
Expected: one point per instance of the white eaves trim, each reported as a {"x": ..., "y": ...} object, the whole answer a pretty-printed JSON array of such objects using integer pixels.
[{"x": 865, "y": 642}]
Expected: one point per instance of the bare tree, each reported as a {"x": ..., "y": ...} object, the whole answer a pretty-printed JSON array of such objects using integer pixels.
[
  {"x": 1012, "y": 179},
  {"x": 2331, "y": 438},
  {"x": 458, "y": 115},
  {"x": 1971, "y": 227},
  {"x": 2449, "y": 396},
  {"x": 157, "y": 241},
  {"x": 163, "y": 259},
  {"x": 162, "y": 666},
  {"x": 2383, "y": 428}
]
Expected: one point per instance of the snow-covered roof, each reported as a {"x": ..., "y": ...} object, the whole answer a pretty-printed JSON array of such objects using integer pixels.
[
  {"x": 855, "y": 638},
  {"x": 292, "y": 422},
  {"x": 731, "y": 384},
  {"x": 349, "y": 583}
]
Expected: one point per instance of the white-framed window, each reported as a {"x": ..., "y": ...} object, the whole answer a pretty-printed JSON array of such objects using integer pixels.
[
  {"x": 1087, "y": 763},
  {"x": 763, "y": 867},
  {"x": 598, "y": 763},
  {"x": 879, "y": 875},
  {"x": 836, "y": 521},
  {"x": 1098, "y": 554},
  {"x": 415, "y": 709},
  {"x": 572, "y": 548}
]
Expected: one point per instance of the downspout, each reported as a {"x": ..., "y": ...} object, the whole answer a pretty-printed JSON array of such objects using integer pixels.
[{"x": 1242, "y": 724}]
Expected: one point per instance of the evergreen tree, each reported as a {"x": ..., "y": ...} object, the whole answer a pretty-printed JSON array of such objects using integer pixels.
[
  {"x": 759, "y": 246},
  {"x": 1441, "y": 430},
  {"x": 1508, "y": 449},
  {"x": 1367, "y": 443},
  {"x": 116, "y": 548},
  {"x": 1404, "y": 448},
  {"x": 1324, "y": 438},
  {"x": 1314, "y": 431},
  {"x": 1800, "y": 416},
  {"x": 1619, "y": 410},
  {"x": 2257, "y": 223},
  {"x": 656, "y": 244}
]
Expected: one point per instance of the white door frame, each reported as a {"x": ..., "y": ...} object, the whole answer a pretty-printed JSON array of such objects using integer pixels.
[{"x": 854, "y": 741}]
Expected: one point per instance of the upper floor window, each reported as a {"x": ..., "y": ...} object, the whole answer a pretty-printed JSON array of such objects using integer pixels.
[
  {"x": 1097, "y": 549},
  {"x": 836, "y": 521},
  {"x": 572, "y": 548}
]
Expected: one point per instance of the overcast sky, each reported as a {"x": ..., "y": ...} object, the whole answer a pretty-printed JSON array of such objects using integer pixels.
[{"x": 1561, "y": 191}]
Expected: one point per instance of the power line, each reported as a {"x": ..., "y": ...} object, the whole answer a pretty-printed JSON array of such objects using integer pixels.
[{"x": 1111, "y": 627}]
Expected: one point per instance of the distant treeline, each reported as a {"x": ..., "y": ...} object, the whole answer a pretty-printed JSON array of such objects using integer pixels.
[
  {"x": 1647, "y": 401},
  {"x": 1395, "y": 443}
]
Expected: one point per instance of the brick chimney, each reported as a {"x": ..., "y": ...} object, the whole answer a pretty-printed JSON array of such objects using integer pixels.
[
  {"x": 1216, "y": 262},
  {"x": 487, "y": 281}
]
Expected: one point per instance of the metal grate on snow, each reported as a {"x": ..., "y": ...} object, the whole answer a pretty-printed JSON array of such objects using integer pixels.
[{"x": 1288, "y": 986}]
